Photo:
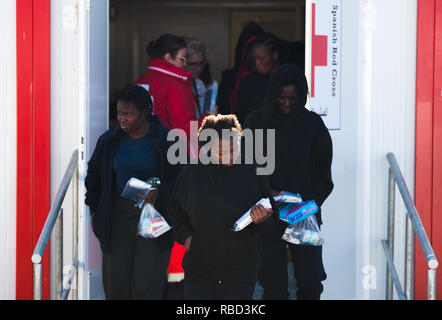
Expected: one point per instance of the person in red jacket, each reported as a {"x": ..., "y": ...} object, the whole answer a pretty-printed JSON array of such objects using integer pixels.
[{"x": 170, "y": 85}]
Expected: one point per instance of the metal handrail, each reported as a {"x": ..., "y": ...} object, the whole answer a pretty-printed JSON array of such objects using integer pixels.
[
  {"x": 69, "y": 272},
  {"x": 414, "y": 224},
  {"x": 71, "y": 172},
  {"x": 394, "y": 274}
]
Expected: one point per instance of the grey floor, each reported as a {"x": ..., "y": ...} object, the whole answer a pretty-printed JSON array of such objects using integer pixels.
[{"x": 259, "y": 291}]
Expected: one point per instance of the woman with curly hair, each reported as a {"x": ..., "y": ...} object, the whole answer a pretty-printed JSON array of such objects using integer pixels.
[{"x": 206, "y": 202}]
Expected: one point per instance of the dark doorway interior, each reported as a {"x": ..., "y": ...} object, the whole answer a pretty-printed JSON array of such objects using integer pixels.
[{"x": 218, "y": 23}]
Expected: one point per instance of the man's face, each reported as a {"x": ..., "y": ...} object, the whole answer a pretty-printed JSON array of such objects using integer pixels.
[{"x": 286, "y": 100}]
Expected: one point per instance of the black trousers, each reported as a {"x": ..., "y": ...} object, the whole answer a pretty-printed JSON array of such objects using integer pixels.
[
  {"x": 273, "y": 276},
  {"x": 136, "y": 268},
  {"x": 223, "y": 291}
]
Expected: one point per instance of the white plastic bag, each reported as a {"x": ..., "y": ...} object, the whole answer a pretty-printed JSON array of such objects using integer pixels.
[
  {"x": 151, "y": 224},
  {"x": 288, "y": 197},
  {"x": 305, "y": 232}
]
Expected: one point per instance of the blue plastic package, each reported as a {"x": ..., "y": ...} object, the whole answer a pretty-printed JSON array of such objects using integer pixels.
[{"x": 295, "y": 212}]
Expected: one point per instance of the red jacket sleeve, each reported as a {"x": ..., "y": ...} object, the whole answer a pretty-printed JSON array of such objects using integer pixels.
[{"x": 180, "y": 109}]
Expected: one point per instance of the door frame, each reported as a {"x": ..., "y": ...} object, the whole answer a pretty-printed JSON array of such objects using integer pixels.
[{"x": 428, "y": 170}]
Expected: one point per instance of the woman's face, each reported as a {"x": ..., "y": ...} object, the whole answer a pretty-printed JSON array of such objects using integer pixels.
[
  {"x": 180, "y": 59},
  {"x": 265, "y": 61},
  {"x": 228, "y": 151},
  {"x": 196, "y": 63},
  {"x": 286, "y": 99},
  {"x": 130, "y": 118}
]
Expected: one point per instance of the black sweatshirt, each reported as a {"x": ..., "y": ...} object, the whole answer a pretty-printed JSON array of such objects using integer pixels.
[
  {"x": 303, "y": 154},
  {"x": 100, "y": 179},
  {"x": 206, "y": 202},
  {"x": 251, "y": 93}
]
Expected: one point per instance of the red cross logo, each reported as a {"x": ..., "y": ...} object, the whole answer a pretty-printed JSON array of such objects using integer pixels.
[{"x": 319, "y": 50}]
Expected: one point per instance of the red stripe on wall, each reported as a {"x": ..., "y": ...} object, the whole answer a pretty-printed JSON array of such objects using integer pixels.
[
  {"x": 319, "y": 51},
  {"x": 41, "y": 126},
  {"x": 33, "y": 138},
  {"x": 437, "y": 143},
  {"x": 24, "y": 149},
  {"x": 428, "y": 171}
]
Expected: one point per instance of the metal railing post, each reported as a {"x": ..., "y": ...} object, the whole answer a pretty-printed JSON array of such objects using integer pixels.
[
  {"x": 431, "y": 284},
  {"x": 59, "y": 252},
  {"x": 409, "y": 260},
  {"x": 390, "y": 230},
  {"x": 37, "y": 282},
  {"x": 75, "y": 233}
]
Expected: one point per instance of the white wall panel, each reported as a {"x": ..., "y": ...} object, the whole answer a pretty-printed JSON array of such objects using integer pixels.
[
  {"x": 95, "y": 48},
  {"x": 8, "y": 149},
  {"x": 389, "y": 96},
  {"x": 378, "y": 116},
  {"x": 64, "y": 111},
  {"x": 339, "y": 210},
  {"x": 79, "y": 108}
]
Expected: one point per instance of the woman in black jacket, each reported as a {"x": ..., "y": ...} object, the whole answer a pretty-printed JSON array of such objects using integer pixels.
[
  {"x": 303, "y": 157},
  {"x": 133, "y": 267},
  {"x": 206, "y": 202},
  {"x": 268, "y": 55},
  {"x": 230, "y": 77}
]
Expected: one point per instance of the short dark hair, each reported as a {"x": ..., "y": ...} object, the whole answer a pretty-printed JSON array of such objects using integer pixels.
[
  {"x": 220, "y": 122},
  {"x": 167, "y": 43},
  {"x": 138, "y": 97},
  {"x": 285, "y": 75}
]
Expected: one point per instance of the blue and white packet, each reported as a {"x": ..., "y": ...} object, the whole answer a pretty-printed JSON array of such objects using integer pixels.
[{"x": 295, "y": 212}]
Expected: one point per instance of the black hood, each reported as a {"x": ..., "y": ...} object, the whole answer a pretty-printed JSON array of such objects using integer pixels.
[{"x": 250, "y": 30}]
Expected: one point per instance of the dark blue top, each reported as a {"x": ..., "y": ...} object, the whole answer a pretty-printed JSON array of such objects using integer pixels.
[{"x": 134, "y": 158}]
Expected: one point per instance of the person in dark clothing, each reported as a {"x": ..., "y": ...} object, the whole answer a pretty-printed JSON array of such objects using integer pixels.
[
  {"x": 206, "y": 202},
  {"x": 267, "y": 54},
  {"x": 294, "y": 53},
  {"x": 229, "y": 76},
  {"x": 246, "y": 67},
  {"x": 303, "y": 158},
  {"x": 133, "y": 267}
]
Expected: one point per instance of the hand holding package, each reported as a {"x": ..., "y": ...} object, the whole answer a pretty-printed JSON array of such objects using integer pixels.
[
  {"x": 246, "y": 219},
  {"x": 133, "y": 188}
]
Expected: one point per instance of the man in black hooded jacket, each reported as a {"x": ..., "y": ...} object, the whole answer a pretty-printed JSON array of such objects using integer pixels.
[{"x": 303, "y": 157}]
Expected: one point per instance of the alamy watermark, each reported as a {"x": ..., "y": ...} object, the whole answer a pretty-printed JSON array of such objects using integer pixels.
[{"x": 225, "y": 149}]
